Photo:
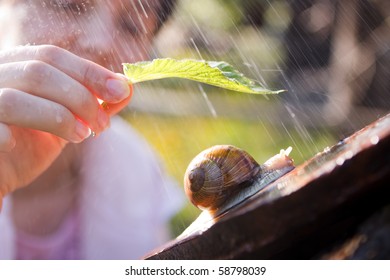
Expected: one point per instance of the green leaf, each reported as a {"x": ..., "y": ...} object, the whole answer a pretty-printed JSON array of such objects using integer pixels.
[{"x": 216, "y": 73}]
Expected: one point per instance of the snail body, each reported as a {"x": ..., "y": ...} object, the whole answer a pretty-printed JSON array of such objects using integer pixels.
[{"x": 223, "y": 176}]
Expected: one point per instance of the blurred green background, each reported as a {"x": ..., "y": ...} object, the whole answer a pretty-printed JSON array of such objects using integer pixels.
[
  {"x": 217, "y": 30},
  {"x": 181, "y": 118},
  {"x": 178, "y": 139}
]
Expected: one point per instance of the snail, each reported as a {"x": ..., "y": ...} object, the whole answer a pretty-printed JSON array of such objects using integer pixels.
[{"x": 223, "y": 176}]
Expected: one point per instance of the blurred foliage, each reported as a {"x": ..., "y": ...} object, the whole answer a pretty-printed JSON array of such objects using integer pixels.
[
  {"x": 231, "y": 14},
  {"x": 216, "y": 14},
  {"x": 250, "y": 36},
  {"x": 228, "y": 30},
  {"x": 178, "y": 139}
]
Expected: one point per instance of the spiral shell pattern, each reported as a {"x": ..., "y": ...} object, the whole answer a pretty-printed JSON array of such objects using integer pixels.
[{"x": 216, "y": 174}]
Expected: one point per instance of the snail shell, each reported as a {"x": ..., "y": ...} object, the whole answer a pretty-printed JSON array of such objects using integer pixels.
[
  {"x": 221, "y": 172},
  {"x": 216, "y": 174}
]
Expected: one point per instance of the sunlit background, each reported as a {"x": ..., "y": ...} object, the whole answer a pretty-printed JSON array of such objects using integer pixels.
[{"x": 331, "y": 56}]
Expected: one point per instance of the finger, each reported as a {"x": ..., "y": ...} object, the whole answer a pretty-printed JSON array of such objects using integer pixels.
[
  {"x": 43, "y": 80},
  {"x": 7, "y": 141},
  {"x": 26, "y": 110},
  {"x": 113, "y": 108},
  {"x": 105, "y": 84}
]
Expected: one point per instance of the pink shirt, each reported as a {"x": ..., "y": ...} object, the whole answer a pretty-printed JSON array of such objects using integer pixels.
[{"x": 63, "y": 244}]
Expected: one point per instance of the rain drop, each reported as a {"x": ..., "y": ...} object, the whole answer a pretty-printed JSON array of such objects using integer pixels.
[
  {"x": 374, "y": 140},
  {"x": 59, "y": 119},
  {"x": 340, "y": 161},
  {"x": 65, "y": 87}
]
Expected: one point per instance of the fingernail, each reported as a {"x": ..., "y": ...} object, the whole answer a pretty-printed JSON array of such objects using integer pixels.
[
  {"x": 82, "y": 132},
  {"x": 118, "y": 88},
  {"x": 103, "y": 119}
]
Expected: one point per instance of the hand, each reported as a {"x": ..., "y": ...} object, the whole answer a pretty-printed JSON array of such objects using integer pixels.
[{"x": 49, "y": 97}]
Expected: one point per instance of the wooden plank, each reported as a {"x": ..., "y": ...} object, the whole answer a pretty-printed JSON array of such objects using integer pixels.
[{"x": 303, "y": 213}]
